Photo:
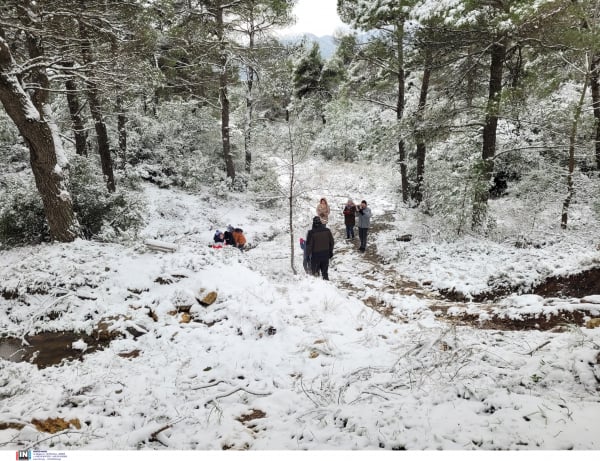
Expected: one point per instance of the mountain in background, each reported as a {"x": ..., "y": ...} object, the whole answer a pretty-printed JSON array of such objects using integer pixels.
[{"x": 326, "y": 43}]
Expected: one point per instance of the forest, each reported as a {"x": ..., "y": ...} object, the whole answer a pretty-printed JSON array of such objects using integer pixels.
[
  {"x": 472, "y": 128},
  {"x": 461, "y": 97}
]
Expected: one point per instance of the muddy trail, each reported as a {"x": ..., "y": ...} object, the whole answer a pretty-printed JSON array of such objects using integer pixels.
[{"x": 386, "y": 289}]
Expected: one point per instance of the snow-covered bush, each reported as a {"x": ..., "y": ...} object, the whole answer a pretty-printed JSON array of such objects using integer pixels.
[
  {"x": 264, "y": 183},
  {"x": 344, "y": 134},
  {"x": 449, "y": 185},
  {"x": 179, "y": 147},
  {"x": 102, "y": 214},
  {"x": 22, "y": 217}
]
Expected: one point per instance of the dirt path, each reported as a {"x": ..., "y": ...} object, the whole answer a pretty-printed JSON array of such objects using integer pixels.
[{"x": 386, "y": 289}]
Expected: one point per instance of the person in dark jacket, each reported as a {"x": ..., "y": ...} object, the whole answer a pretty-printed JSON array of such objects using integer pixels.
[
  {"x": 319, "y": 248},
  {"x": 219, "y": 237},
  {"x": 349, "y": 218},
  {"x": 228, "y": 236}
]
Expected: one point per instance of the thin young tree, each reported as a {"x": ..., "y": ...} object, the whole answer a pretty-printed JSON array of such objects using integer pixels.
[{"x": 257, "y": 19}]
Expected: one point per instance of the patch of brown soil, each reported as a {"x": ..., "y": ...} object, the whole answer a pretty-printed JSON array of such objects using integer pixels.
[
  {"x": 254, "y": 414},
  {"x": 562, "y": 319},
  {"x": 54, "y": 425},
  {"x": 579, "y": 285},
  {"x": 575, "y": 285},
  {"x": 17, "y": 426}
]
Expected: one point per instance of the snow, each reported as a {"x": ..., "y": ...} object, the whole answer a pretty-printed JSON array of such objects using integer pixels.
[{"x": 327, "y": 369}]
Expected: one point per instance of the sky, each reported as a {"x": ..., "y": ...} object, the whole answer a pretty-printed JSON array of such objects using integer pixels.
[{"x": 317, "y": 17}]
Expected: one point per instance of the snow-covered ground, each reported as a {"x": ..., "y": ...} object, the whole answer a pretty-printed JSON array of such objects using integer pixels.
[{"x": 291, "y": 362}]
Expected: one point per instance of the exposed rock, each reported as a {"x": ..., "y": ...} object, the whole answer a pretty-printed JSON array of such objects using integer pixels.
[
  {"x": 208, "y": 299},
  {"x": 185, "y": 318},
  {"x": 593, "y": 323}
]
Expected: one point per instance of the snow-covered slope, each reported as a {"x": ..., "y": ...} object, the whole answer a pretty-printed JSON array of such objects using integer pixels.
[{"x": 284, "y": 361}]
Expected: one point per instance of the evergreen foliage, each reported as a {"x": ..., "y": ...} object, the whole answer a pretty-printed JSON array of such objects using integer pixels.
[{"x": 468, "y": 102}]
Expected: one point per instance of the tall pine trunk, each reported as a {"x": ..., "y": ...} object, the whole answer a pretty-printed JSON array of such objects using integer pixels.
[
  {"x": 485, "y": 169},
  {"x": 93, "y": 96},
  {"x": 32, "y": 117},
  {"x": 77, "y": 120},
  {"x": 223, "y": 96},
  {"x": 249, "y": 109},
  {"x": 419, "y": 136},
  {"x": 400, "y": 109},
  {"x": 122, "y": 129}
]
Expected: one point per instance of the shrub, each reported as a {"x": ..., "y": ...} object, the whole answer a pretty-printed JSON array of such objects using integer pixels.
[
  {"x": 22, "y": 217},
  {"x": 100, "y": 214}
]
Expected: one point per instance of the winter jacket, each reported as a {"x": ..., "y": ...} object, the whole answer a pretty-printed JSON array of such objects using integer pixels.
[
  {"x": 323, "y": 211},
  {"x": 239, "y": 238},
  {"x": 350, "y": 215},
  {"x": 364, "y": 218},
  {"x": 319, "y": 243},
  {"x": 229, "y": 240}
]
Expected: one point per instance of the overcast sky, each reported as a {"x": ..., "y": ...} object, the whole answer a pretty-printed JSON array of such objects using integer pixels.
[{"x": 317, "y": 17}]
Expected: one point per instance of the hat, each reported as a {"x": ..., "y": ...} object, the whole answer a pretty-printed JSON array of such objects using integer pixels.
[
  {"x": 230, "y": 228},
  {"x": 316, "y": 221}
]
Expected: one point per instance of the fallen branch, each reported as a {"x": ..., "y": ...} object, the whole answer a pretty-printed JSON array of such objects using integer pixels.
[
  {"x": 160, "y": 246},
  {"x": 207, "y": 385},
  {"x": 154, "y": 435},
  {"x": 237, "y": 389}
]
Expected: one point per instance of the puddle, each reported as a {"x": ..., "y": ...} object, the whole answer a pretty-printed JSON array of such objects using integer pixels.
[{"x": 49, "y": 348}]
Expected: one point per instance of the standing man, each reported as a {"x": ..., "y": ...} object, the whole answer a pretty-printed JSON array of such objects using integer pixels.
[
  {"x": 319, "y": 248},
  {"x": 364, "y": 221}
]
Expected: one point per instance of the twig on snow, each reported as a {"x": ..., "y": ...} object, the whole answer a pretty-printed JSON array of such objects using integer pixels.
[
  {"x": 532, "y": 351},
  {"x": 207, "y": 385},
  {"x": 237, "y": 389},
  {"x": 306, "y": 393}
]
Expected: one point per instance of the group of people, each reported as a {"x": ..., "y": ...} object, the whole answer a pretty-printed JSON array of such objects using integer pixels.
[
  {"x": 233, "y": 236},
  {"x": 318, "y": 246}
]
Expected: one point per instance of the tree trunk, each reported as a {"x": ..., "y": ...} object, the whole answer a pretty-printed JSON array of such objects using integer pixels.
[
  {"x": 223, "y": 96},
  {"x": 471, "y": 86},
  {"x": 102, "y": 136},
  {"x": 291, "y": 200},
  {"x": 420, "y": 138},
  {"x": 97, "y": 113},
  {"x": 400, "y": 109},
  {"x": 48, "y": 163},
  {"x": 249, "y": 108},
  {"x": 595, "y": 86},
  {"x": 122, "y": 129},
  {"x": 485, "y": 172},
  {"x": 572, "y": 138},
  {"x": 75, "y": 114}
]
